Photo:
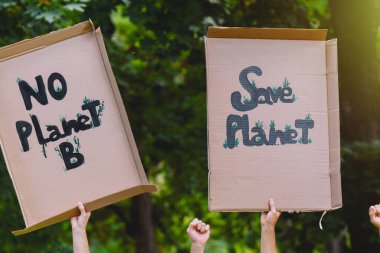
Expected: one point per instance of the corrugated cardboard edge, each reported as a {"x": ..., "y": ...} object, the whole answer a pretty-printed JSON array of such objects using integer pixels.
[
  {"x": 42, "y": 41},
  {"x": 90, "y": 206},
  {"x": 333, "y": 121},
  {"x": 27, "y": 46},
  {"x": 267, "y": 33},
  {"x": 208, "y": 133},
  {"x": 120, "y": 105}
]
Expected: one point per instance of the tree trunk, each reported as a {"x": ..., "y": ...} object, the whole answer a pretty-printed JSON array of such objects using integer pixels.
[
  {"x": 144, "y": 228},
  {"x": 355, "y": 24}
]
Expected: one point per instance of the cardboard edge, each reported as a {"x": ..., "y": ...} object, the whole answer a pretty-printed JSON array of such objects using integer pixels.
[
  {"x": 90, "y": 206},
  {"x": 285, "y": 210},
  {"x": 29, "y": 45},
  {"x": 208, "y": 133},
  {"x": 333, "y": 119},
  {"x": 267, "y": 33},
  {"x": 121, "y": 107}
]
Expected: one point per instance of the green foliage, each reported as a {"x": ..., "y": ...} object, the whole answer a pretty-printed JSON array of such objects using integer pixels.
[
  {"x": 259, "y": 124},
  {"x": 246, "y": 100},
  {"x": 77, "y": 143},
  {"x": 157, "y": 53},
  {"x": 236, "y": 142},
  {"x": 285, "y": 83}
]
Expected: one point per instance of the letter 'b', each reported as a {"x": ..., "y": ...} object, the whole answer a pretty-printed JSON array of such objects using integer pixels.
[{"x": 72, "y": 160}]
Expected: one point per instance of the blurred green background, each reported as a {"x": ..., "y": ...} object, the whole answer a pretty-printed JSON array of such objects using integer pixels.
[{"x": 157, "y": 53}]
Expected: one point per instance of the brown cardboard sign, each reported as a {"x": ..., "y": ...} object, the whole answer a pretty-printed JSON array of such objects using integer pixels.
[
  {"x": 64, "y": 130},
  {"x": 273, "y": 119}
]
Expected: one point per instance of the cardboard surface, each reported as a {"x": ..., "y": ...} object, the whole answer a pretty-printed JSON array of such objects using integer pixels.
[
  {"x": 273, "y": 122},
  {"x": 83, "y": 112}
]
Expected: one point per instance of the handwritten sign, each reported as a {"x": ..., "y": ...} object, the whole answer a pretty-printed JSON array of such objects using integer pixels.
[
  {"x": 262, "y": 96},
  {"x": 64, "y": 130},
  {"x": 272, "y": 119},
  {"x": 57, "y": 87}
]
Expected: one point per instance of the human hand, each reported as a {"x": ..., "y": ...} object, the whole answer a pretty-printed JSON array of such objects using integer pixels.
[
  {"x": 199, "y": 232},
  {"x": 374, "y": 215},
  {"x": 79, "y": 223},
  {"x": 269, "y": 218}
]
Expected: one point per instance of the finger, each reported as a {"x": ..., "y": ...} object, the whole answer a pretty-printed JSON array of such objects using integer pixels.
[
  {"x": 203, "y": 228},
  {"x": 263, "y": 217},
  {"x": 194, "y": 222},
  {"x": 377, "y": 207},
  {"x": 73, "y": 221},
  {"x": 372, "y": 211},
  {"x": 199, "y": 226},
  {"x": 207, "y": 228},
  {"x": 81, "y": 209},
  {"x": 272, "y": 206},
  {"x": 88, "y": 215}
]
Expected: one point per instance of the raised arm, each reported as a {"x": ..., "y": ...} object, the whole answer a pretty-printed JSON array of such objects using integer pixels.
[
  {"x": 78, "y": 226},
  {"x": 199, "y": 233},
  {"x": 268, "y": 225}
]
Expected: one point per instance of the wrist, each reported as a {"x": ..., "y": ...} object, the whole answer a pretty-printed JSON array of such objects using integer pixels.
[
  {"x": 79, "y": 232},
  {"x": 267, "y": 228},
  {"x": 199, "y": 247}
]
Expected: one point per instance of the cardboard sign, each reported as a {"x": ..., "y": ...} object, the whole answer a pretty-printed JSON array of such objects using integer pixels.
[
  {"x": 64, "y": 130},
  {"x": 273, "y": 120}
]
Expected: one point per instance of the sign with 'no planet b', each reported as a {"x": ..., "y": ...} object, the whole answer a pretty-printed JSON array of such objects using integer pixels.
[{"x": 64, "y": 130}]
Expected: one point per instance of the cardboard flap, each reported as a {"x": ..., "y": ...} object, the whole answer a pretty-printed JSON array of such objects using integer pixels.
[
  {"x": 29, "y": 45},
  {"x": 267, "y": 33},
  {"x": 333, "y": 119},
  {"x": 121, "y": 107},
  {"x": 91, "y": 206}
]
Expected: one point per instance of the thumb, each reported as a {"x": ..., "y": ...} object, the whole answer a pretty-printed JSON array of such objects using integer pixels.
[
  {"x": 81, "y": 209},
  {"x": 272, "y": 206}
]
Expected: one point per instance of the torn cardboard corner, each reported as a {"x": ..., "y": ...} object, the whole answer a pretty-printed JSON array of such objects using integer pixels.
[
  {"x": 64, "y": 131},
  {"x": 273, "y": 119}
]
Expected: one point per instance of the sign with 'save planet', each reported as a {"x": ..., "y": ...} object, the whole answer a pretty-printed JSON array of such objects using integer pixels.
[{"x": 273, "y": 119}]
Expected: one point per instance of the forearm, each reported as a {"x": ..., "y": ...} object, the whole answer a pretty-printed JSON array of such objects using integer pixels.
[
  {"x": 80, "y": 242},
  {"x": 268, "y": 240},
  {"x": 197, "y": 248}
]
